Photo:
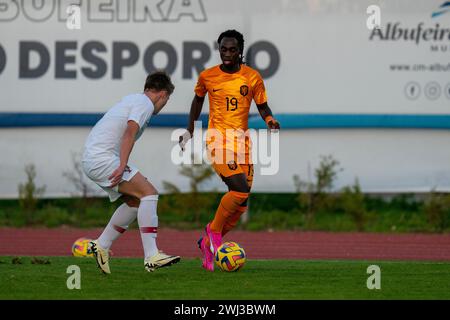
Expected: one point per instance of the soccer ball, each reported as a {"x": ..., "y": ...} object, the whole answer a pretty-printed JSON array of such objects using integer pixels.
[
  {"x": 230, "y": 256},
  {"x": 80, "y": 248}
]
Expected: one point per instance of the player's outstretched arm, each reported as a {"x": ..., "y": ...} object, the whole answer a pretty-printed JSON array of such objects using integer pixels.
[
  {"x": 267, "y": 116},
  {"x": 196, "y": 109},
  {"x": 194, "y": 114},
  {"x": 125, "y": 150}
]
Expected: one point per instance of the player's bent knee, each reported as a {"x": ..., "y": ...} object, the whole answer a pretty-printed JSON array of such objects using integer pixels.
[
  {"x": 237, "y": 182},
  {"x": 149, "y": 191},
  {"x": 145, "y": 188},
  {"x": 132, "y": 202}
]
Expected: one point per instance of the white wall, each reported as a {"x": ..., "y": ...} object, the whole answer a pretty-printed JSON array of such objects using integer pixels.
[{"x": 383, "y": 160}]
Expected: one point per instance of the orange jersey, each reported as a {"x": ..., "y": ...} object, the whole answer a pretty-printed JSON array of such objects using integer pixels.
[{"x": 230, "y": 97}]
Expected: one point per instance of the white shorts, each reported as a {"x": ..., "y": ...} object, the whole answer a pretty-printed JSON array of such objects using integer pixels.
[{"x": 100, "y": 171}]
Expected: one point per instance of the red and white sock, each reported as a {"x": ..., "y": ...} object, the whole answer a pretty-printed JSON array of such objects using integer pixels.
[
  {"x": 120, "y": 220},
  {"x": 148, "y": 224}
]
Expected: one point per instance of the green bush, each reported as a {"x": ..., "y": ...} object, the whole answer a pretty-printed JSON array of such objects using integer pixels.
[
  {"x": 352, "y": 203},
  {"x": 315, "y": 196},
  {"x": 405, "y": 201},
  {"x": 276, "y": 220},
  {"x": 29, "y": 194},
  {"x": 437, "y": 211},
  {"x": 52, "y": 217},
  {"x": 332, "y": 222}
]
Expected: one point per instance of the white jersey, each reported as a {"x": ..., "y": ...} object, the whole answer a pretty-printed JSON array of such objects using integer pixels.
[{"x": 105, "y": 138}]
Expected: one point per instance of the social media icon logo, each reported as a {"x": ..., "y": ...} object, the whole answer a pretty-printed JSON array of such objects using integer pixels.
[
  {"x": 412, "y": 90},
  {"x": 432, "y": 90}
]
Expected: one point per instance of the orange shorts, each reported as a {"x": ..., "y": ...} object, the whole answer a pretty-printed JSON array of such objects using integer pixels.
[
  {"x": 229, "y": 164},
  {"x": 232, "y": 168}
]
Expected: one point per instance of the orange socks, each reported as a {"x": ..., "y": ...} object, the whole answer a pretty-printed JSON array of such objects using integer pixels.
[
  {"x": 228, "y": 212},
  {"x": 229, "y": 204},
  {"x": 232, "y": 222}
]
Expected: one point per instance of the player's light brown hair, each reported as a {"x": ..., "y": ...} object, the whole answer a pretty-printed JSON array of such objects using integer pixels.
[{"x": 159, "y": 81}]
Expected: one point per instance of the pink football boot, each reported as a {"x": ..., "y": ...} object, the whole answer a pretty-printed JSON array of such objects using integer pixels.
[
  {"x": 208, "y": 257},
  {"x": 215, "y": 239}
]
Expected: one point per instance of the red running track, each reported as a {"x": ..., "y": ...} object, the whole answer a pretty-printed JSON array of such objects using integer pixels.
[{"x": 258, "y": 245}]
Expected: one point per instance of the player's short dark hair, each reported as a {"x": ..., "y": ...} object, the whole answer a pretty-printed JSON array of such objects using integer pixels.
[
  {"x": 236, "y": 35},
  {"x": 159, "y": 81}
]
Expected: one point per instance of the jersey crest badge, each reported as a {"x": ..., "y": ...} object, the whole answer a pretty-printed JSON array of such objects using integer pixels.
[
  {"x": 244, "y": 90},
  {"x": 232, "y": 165}
]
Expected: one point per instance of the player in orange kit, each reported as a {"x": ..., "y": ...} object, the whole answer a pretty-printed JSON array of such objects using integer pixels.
[{"x": 231, "y": 87}]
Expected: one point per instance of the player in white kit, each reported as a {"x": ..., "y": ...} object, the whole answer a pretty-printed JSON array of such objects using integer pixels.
[{"x": 105, "y": 161}]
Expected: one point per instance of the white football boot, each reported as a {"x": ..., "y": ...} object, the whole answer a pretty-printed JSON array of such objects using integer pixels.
[
  {"x": 160, "y": 260},
  {"x": 101, "y": 256}
]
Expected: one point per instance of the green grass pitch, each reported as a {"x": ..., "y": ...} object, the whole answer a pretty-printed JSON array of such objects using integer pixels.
[{"x": 258, "y": 280}]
